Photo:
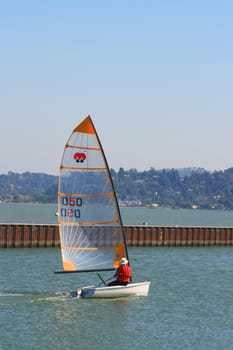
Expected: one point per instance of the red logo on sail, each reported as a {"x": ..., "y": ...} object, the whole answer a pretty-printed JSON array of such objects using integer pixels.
[{"x": 79, "y": 157}]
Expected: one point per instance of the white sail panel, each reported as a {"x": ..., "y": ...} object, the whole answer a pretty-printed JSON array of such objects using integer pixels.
[
  {"x": 89, "y": 182},
  {"x": 80, "y": 158},
  {"x": 84, "y": 139}
]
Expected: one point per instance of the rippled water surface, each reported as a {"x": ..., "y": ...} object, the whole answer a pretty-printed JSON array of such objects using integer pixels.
[{"x": 189, "y": 305}]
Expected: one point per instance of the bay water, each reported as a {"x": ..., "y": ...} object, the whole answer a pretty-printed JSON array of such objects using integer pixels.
[
  {"x": 46, "y": 214},
  {"x": 189, "y": 306}
]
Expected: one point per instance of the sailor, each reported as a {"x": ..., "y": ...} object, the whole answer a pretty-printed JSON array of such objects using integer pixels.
[{"x": 123, "y": 274}]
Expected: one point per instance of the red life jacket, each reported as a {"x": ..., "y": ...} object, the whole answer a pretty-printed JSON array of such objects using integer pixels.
[{"x": 123, "y": 273}]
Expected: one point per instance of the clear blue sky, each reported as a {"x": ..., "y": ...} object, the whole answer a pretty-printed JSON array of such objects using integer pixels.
[{"x": 155, "y": 76}]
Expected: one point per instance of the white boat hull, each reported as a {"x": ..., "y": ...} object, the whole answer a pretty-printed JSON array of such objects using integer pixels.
[{"x": 132, "y": 289}]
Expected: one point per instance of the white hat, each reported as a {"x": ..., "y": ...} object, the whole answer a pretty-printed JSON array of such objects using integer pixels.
[{"x": 123, "y": 261}]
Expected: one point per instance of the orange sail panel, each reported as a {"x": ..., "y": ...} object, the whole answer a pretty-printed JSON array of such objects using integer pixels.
[
  {"x": 86, "y": 126},
  {"x": 90, "y": 226}
]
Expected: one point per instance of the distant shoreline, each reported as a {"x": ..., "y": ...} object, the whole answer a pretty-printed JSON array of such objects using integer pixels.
[{"x": 128, "y": 207}]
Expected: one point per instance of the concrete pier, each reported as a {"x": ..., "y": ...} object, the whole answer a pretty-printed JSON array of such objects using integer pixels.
[{"x": 30, "y": 236}]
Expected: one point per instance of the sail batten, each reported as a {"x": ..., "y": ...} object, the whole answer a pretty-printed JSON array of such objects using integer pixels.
[
  {"x": 91, "y": 223},
  {"x": 85, "y": 148},
  {"x": 87, "y": 195},
  {"x": 102, "y": 248},
  {"x": 91, "y": 231},
  {"x": 79, "y": 168}
]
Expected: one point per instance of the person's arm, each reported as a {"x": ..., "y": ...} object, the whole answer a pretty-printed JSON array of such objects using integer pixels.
[{"x": 116, "y": 273}]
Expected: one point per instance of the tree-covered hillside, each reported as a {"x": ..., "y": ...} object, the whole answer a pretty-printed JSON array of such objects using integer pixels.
[
  {"x": 176, "y": 188},
  {"x": 28, "y": 187}
]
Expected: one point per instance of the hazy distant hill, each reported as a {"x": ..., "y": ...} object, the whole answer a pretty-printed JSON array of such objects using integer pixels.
[{"x": 176, "y": 188}]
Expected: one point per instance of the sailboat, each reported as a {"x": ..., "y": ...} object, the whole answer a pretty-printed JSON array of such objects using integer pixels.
[{"x": 92, "y": 237}]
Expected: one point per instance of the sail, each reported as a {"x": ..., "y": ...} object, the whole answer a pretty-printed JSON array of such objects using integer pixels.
[{"x": 90, "y": 226}]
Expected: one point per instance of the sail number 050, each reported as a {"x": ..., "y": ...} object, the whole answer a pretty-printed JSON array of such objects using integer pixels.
[{"x": 71, "y": 202}]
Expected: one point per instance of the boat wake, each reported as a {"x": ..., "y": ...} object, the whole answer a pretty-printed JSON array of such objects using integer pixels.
[{"x": 10, "y": 297}]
